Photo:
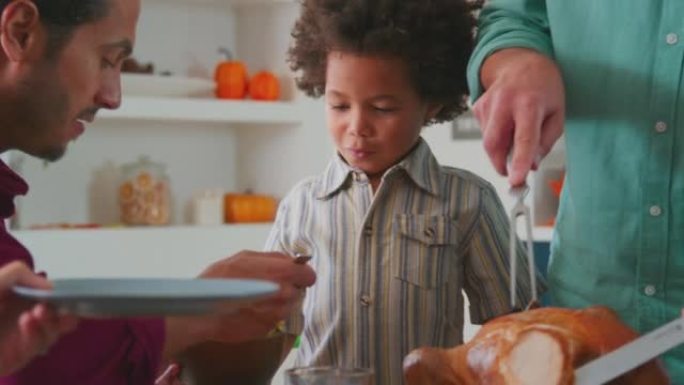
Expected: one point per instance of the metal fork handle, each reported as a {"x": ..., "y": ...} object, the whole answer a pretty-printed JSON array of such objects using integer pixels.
[{"x": 521, "y": 210}]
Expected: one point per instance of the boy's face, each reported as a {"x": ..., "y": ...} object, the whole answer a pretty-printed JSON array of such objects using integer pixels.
[
  {"x": 56, "y": 97},
  {"x": 373, "y": 112}
]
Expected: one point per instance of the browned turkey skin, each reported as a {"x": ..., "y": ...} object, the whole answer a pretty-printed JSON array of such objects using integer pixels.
[{"x": 536, "y": 347}]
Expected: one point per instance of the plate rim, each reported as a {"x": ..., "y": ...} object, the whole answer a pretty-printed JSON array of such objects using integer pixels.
[{"x": 55, "y": 295}]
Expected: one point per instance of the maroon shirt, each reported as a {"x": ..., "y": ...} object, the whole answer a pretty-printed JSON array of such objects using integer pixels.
[{"x": 99, "y": 352}]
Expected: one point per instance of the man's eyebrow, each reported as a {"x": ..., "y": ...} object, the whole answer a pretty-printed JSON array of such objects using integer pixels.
[{"x": 125, "y": 45}]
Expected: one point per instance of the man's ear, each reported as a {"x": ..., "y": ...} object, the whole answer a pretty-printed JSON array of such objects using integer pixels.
[{"x": 20, "y": 30}]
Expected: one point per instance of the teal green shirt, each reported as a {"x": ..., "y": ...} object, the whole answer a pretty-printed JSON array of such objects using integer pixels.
[{"x": 619, "y": 238}]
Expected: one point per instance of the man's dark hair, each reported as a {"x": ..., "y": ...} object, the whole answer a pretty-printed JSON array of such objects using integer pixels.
[
  {"x": 62, "y": 17},
  {"x": 433, "y": 37}
]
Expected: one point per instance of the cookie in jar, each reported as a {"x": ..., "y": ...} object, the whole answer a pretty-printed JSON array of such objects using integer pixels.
[{"x": 145, "y": 194}]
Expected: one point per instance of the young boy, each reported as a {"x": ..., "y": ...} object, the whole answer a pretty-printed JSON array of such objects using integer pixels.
[{"x": 395, "y": 237}]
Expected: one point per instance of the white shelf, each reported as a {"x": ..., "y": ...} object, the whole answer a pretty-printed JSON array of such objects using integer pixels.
[
  {"x": 539, "y": 233},
  {"x": 181, "y": 251},
  {"x": 542, "y": 234},
  {"x": 205, "y": 111}
]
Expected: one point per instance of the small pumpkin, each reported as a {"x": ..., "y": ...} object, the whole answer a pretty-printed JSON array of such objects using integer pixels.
[
  {"x": 264, "y": 86},
  {"x": 246, "y": 208},
  {"x": 231, "y": 78}
]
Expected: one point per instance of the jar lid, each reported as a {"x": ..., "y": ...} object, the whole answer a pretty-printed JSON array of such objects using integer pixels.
[{"x": 144, "y": 163}]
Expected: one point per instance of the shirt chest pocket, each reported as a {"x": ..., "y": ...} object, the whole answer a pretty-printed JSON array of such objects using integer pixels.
[{"x": 424, "y": 249}]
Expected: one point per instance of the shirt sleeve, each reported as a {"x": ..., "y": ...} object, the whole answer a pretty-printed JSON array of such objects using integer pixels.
[
  {"x": 507, "y": 24},
  {"x": 102, "y": 352},
  {"x": 279, "y": 240},
  {"x": 148, "y": 338},
  {"x": 487, "y": 263}
]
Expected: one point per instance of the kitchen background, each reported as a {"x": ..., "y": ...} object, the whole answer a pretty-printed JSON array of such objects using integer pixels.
[{"x": 206, "y": 145}]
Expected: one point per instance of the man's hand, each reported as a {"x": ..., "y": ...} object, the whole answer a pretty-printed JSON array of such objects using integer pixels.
[
  {"x": 522, "y": 111},
  {"x": 250, "y": 322},
  {"x": 26, "y": 330}
]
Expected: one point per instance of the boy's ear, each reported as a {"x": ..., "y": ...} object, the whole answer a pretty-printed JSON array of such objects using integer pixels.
[
  {"x": 432, "y": 111},
  {"x": 20, "y": 30}
]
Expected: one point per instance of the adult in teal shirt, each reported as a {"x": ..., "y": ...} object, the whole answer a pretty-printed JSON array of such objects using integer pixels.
[{"x": 610, "y": 72}]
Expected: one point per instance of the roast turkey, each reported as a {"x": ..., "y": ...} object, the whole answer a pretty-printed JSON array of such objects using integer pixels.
[{"x": 536, "y": 347}]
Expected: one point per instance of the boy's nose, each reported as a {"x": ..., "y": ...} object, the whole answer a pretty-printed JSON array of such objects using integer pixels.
[{"x": 359, "y": 125}]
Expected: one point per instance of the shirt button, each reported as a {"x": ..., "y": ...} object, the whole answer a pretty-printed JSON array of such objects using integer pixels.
[
  {"x": 655, "y": 211},
  {"x": 429, "y": 232},
  {"x": 366, "y": 300},
  {"x": 368, "y": 231},
  {"x": 671, "y": 38},
  {"x": 661, "y": 127},
  {"x": 649, "y": 290}
]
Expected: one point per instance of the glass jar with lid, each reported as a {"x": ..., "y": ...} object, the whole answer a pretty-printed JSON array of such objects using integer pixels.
[{"x": 145, "y": 194}]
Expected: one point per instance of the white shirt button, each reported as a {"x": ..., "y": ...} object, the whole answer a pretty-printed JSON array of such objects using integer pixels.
[
  {"x": 366, "y": 300},
  {"x": 660, "y": 127},
  {"x": 649, "y": 290},
  {"x": 655, "y": 211},
  {"x": 671, "y": 38}
]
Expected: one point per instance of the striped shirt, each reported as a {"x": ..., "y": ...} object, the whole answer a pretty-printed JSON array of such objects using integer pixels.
[{"x": 392, "y": 266}]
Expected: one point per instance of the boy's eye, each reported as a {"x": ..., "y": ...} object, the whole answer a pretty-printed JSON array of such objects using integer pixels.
[
  {"x": 384, "y": 109},
  {"x": 339, "y": 106}
]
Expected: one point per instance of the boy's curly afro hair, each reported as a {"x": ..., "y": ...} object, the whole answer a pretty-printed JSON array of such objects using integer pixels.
[{"x": 433, "y": 37}]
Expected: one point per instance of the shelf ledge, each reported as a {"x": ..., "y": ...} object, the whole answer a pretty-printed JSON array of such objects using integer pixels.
[
  {"x": 539, "y": 233},
  {"x": 205, "y": 111}
]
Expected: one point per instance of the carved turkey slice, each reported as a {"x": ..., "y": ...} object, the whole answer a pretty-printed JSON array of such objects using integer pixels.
[{"x": 536, "y": 347}]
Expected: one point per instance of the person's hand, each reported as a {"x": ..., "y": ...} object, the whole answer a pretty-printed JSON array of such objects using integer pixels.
[
  {"x": 26, "y": 330},
  {"x": 522, "y": 110},
  {"x": 250, "y": 322}
]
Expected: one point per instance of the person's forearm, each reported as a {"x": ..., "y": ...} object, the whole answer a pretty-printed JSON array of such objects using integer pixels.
[
  {"x": 180, "y": 334},
  {"x": 252, "y": 362},
  {"x": 500, "y": 61}
]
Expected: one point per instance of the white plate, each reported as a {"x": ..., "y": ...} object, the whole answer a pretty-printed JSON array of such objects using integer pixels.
[
  {"x": 112, "y": 297},
  {"x": 165, "y": 86}
]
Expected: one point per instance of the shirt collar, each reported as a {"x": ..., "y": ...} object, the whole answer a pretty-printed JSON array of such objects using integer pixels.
[
  {"x": 419, "y": 165},
  {"x": 11, "y": 185}
]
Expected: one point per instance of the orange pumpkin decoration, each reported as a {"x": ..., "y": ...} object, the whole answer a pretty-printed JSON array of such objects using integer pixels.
[
  {"x": 231, "y": 78},
  {"x": 264, "y": 86},
  {"x": 246, "y": 208}
]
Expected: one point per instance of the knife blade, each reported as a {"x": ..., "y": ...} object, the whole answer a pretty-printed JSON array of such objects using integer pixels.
[{"x": 631, "y": 355}]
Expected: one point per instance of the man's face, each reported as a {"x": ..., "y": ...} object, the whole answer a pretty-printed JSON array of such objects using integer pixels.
[{"x": 59, "y": 95}]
